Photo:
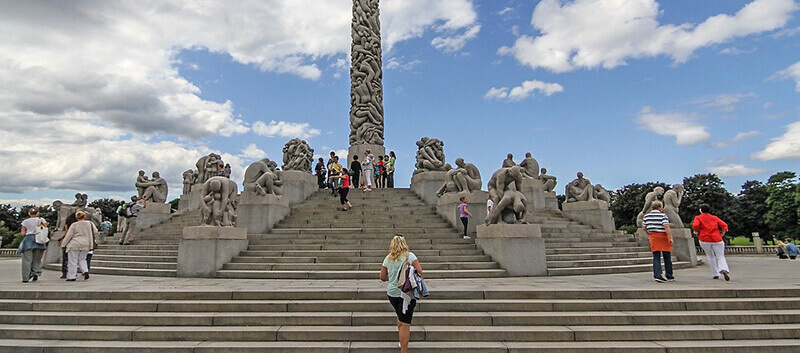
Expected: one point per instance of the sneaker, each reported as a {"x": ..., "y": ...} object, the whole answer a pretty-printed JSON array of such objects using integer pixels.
[
  {"x": 120, "y": 243},
  {"x": 670, "y": 279},
  {"x": 715, "y": 277},
  {"x": 63, "y": 276},
  {"x": 85, "y": 276},
  {"x": 35, "y": 278},
  {"x": 127, "y": 243},
  {"x": 660, "y": 279},
  {"x": 726, "y": 274},
  {"x": 467, "y": 237},
  {"x": 72, "y": 280}
]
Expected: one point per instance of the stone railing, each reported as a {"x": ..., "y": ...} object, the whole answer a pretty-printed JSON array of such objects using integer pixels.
[
  {"x": 8, "y": 252},
  {"x": 745, "y": 249}
]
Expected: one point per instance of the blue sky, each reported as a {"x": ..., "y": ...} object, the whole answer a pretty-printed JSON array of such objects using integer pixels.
[{"x": 662, "y": 94}]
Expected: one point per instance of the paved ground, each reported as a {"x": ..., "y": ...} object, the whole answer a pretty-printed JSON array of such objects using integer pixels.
[{"x": 747, "y": 272}]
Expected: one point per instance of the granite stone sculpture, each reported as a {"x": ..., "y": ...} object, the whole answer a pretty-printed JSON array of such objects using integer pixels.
[
  {"x": 430, "y": 155},
  {"x": 648, "y": 204},
  {"x": 548, "y": 181},
  {"x": 602, "y": 194},
  {"x": 226, "y": 171},
  {"x": 672, "y": 202},
  {"x": 189, "y": 178},
  {"x": 219, "y": 195},
  {"x": 297, "y": 155},
  {"x": 141, "y": 183},
  {"x": 262, "y": 178},
  {"x": 81, "y": 201},
  {"x": 155, "y": 190},
  {"x": 464, "y": 178},
  {"x": 510, "y": 203},
  {"x": 208, "y": 166},
  {"x": 366, "y": 75},
  {"x": 530, "y": 167},
  {"x": 509, "y": 161},
  {"x": 580, "y": 189}
]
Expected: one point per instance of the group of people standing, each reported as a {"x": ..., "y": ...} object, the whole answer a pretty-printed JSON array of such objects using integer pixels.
[
  {"x": 79, "y": 241},
  {"x": 372, "y": 172}
]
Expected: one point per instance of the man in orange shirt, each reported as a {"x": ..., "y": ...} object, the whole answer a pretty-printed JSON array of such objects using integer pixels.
[{"x": 710, "y": 229}]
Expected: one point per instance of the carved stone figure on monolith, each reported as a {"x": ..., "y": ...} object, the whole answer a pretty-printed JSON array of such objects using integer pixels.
[
  {"x": 648, "y": 204},
  {"x": 580, "y": 189},
  {"x": 366, "y": 75},
  {"x": 672, "y": 202},
  {"x": 530, "y": 167},
  {"x": 297, "y": 155},
  {"x": 262, "y": 178},
  {"x": 219, "y": 202}
]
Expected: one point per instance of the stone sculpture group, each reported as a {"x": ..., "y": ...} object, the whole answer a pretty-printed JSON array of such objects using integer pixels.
[
  {"x": 504, "y": 190},
  {"x": 155, "y": 190},
  {"x": 465, "y": 177},
  {"x": 262, "y": 178},
  {"x": 219, "y": 196},
  {"x": 430, "y": 155},
  {"x": 581, "y": 189},
  {"x": 297, "y": 155},
  {"x": 671, "y": 200}
]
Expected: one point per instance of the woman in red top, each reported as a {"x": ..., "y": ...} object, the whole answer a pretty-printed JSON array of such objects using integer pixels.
[
  {"x": 710, "y": 229},
  {"x": 345, "y": 189}
]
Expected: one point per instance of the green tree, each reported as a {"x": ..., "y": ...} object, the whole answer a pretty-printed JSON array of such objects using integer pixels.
[
  {"x": 782, "y": 204},
  {"x": 750, "y": 208},
  {"x": 10, "y": 216},
  {"x": 627, "y": 202},
  {"x": 706, "y": 188},
  {"x": 173, "y": 205},
  {"x": 9, "y": 237},
  {"x": 45, "y": 211},
  {"x": 108, "y": 207}
]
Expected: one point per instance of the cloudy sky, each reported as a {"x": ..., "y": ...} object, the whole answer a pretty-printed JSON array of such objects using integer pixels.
[{"x": 625, "y": 91}]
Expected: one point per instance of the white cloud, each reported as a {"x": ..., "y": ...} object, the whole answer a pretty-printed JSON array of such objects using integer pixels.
[
  {"x": 733, "y": 170},
  {"x": 523, "y": 91},
  {"x": 454, "y": 43},
  {"x": 590, "y": 34},
  {"x": 253, "y": 152},
  {"x": 685, "y": 129},
  {"x": 743, "y": 135},
  {"x": 787, "y": 32},
  {"x": 786, "y": 146},
  {"x": 790, "y": 73},
  {"x": 736, "y": 51},
  {"x": 504, "y": 11},
  {"x": 399, "y": 64},
  {"x": 285, "y": 129},
  {"x": 724, "y": 102}
]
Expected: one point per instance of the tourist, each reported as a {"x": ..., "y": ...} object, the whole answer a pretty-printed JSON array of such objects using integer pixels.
[
  {"x": 656, "y": 225},
  {"x": 328, "y": 166},
  {"x": 392, "y": 160},
  {"x": 64, "y": 256},
  {"x": 367, "y": 166},
  {"x": 133, "y": 208},
  {"x": 78, "y": 241},
  {"x": 402, "y": 303},
  {"x": 320, "y": 170},
  {"x": 710, "y": 230},
  {"x": 465, "y": 214},
  {"x": 335, "y": 170},
  {"x": 781, "y": 250},
  {"x": 379, "y": 172},
  {"x": 791, "y": 249},
  {"x": 30, "y": 249},
  {"x": 355, "y": 171},
  {"x": 344, "y": 189},
  {"x": 385, "y": 173}
]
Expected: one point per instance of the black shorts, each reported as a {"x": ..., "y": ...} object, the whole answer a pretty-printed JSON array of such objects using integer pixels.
[{"x": 397, "y": 303}]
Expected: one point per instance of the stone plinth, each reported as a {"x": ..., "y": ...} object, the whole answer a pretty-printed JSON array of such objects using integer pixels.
[
  {"x": 532, "y": 189},
  {"x": 191, "y": 201},
  {"x": 447, "y": 207},
  {"x": 53, "y": 253},
  {"x": 298, "y": 185},
  {"x": 518, "y": 248},
  {"x": 259, "y": 213},
  {"x": 683, "y": 246},
  {"x": 425, "y": 185},
  {"x": 593, "y": 213},
  {"x": 204, "y": 249},
  {"x": 550, "y": 201},
  {"x": 358, "y": 150},
  {"x": 152, "y": 214}
]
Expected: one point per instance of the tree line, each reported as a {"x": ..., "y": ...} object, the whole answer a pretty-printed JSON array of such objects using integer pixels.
[{"x": 772, "y": 209}]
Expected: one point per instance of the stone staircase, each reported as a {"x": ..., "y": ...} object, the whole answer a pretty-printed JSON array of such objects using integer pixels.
[
  {"x": 577, "y": 249},
  {"x": 340, "y": 319},
  {"x": 319, "y": 241}
]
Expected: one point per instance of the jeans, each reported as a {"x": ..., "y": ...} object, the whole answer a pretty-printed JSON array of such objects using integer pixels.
[
  {"x": 64, "y": 262},
  {"x": 321, "y": 181},
  {"x": 667, "y": 264},
  {"x": 716, "y": 257},
  {"x": 465, "y": 221},
  {"x": 390, "y": 180},
  {"x": 355, "y": 179}
]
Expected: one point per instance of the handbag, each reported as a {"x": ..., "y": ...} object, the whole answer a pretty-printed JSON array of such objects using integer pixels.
[{"x": 41, "y": 233}]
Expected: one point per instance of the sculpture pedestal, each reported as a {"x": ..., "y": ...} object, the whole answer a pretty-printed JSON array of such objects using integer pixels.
[
  {"x": 53, "y": 253},
  {"x": 191, "y": 201},
  {"x": 259, "y": 213},
  {"x": 593, "y": 213},
  {"x": 358, "y": 150},
  {"x": 298, "y": 186},
  {"x": 425, "y": 185},
  {"x": 447, "y": 207},
  {"x": 532, "y": 189},
  {"x": 550, "y": 201},
  {"x": 203, "y": 250},
  {"x": 683, "y": 246},
  {"x": 518, "y": 248},
  {"x": 152, "y": 214}
]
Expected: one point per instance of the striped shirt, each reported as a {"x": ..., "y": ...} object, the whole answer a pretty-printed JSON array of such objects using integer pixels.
[{"x": 654, "y": 221}]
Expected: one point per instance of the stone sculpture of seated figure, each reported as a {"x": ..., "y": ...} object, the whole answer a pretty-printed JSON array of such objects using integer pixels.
[
  {"x": 601, "y": 193},
  {"x": 548, "y": 181},
  {"x": 580, "y": 189}
]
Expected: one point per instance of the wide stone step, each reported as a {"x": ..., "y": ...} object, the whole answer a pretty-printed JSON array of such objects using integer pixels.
[
  {"x": 600, "y": 256},
  {"x": 351, "y": 266},
  {"x": 352, "y": 259},
  {"x": 599, "y": 263},
  {"x": 374, "y": 246},
  {"x": 411, "y": 241},
  {"x": 594, "y": 250},
  {"x": 171, "y": 247},
  {"x": 346, "y": 253},
  {"x": 598, "y": 270},
  {"x": 384, "y": 235},
  {"x": 359, "y": 274},
  {"x": 126, "y": 252},
  {"x": 102, "y": 257},
  {"x": 131, "y": 264}
]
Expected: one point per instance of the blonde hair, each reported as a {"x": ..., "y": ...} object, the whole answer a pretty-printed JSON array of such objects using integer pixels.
[
  {"x": 80, "y": 215},
  {"x": 397, "y": 248},
  {"x": 656, "y": 205}
]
